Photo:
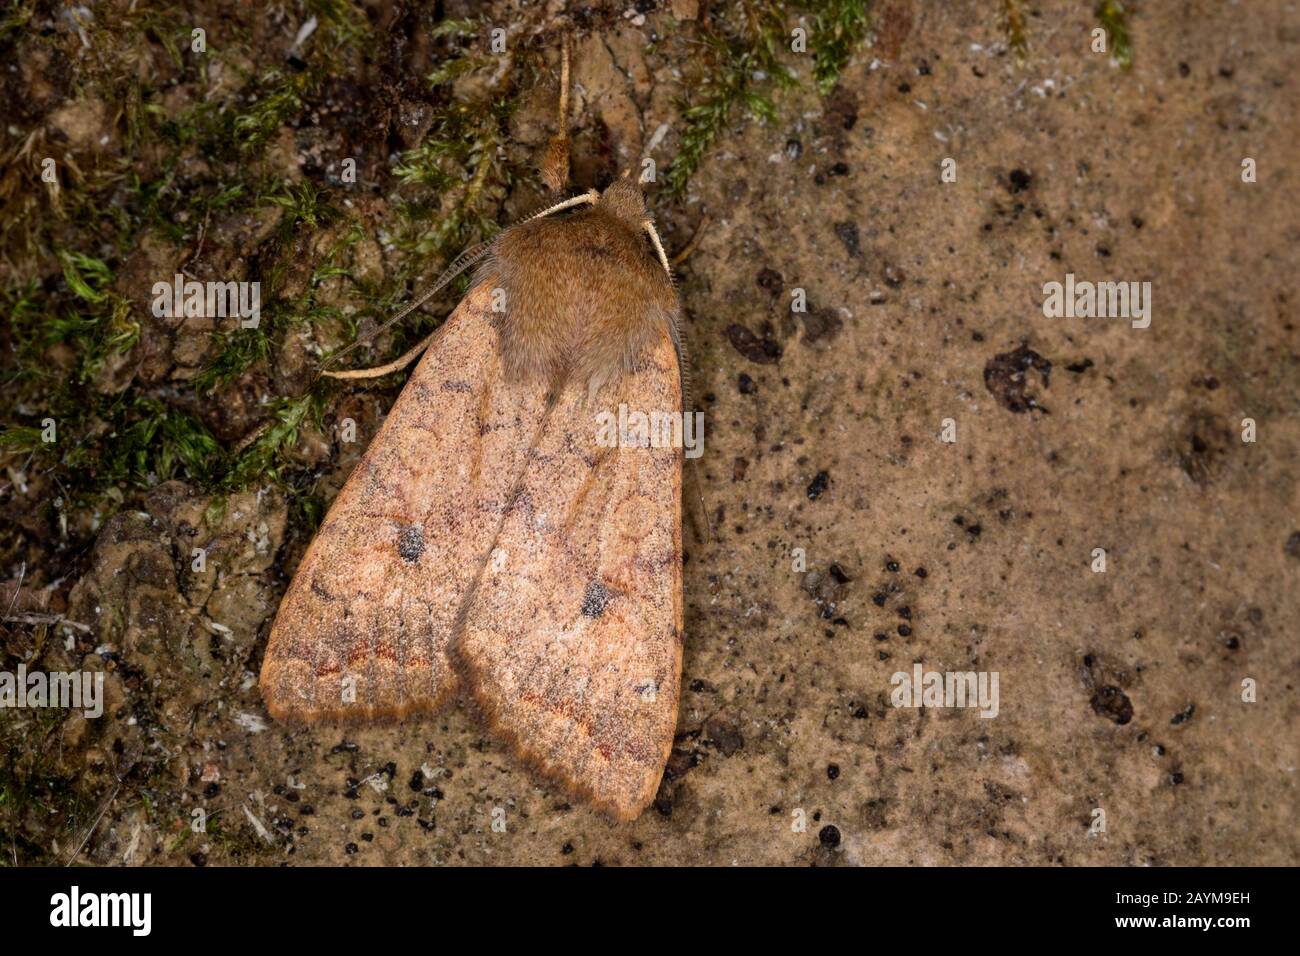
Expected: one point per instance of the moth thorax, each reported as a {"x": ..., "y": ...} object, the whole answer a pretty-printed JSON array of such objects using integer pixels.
[{"x": 623, "y": 199}]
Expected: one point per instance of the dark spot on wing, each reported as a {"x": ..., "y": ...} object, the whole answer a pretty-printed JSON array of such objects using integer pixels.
[
  {"x": 410, "y": 543},
  {"x": 596, "y": 599}
]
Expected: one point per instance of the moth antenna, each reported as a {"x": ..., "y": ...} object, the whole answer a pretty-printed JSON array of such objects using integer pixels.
[
  {"x": 684, "y": 370},
  {"x": 394, "y": 366},
  {"x": 564, "y": 84},
  {"x": 555, "y": 164},
  {"x": 590, "y": 196},
  {"x": 659, "y": 246},
  {"x": 462, "y": 262},
  {"x": 683, "y": 364},
  {"x": 458, "y": 265}
]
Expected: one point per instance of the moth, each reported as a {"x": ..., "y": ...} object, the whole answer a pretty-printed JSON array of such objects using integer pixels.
[{"x": 488, "y": 543}]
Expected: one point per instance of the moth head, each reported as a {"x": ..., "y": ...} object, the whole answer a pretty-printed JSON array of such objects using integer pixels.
[{"x": 623, "y": 199}]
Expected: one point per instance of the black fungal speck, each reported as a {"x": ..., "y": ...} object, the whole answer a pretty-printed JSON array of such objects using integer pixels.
[
  {"x": 1113, "y": 704},
  {"x": 763, "y": 351},
  {"x": 771, "y": 281},
  {"x": 1292, "y": 546},
  {"x": 818, "y": 485},
  {"x": 829, "y": 836},
  {"x": 847, "y": 233},
  {"x": 1006, "y": 376}
]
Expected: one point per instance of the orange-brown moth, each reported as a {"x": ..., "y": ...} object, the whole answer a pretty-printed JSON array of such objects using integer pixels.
[{"x": 488, "y": 543}]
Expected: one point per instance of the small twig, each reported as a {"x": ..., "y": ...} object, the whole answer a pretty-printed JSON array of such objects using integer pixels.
[
  {"x": 704, "y": 508},
  {"x": 130, "y": 756},
  {"x": 203, "y": 233},
  {"x": 251, "y": 437},
  {"x": 22, "y": 573},
  {"x": 693, "y": 244},
  {"x": 29, "y": 618}
]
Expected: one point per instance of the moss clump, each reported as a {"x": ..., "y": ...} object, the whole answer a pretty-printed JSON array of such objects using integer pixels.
[
  {"x": 744, "y": 53},
  {"x": 839, "y": 27},
  {"x": 1013, "y": 25},
  {"x": 1113, "y": 17}
]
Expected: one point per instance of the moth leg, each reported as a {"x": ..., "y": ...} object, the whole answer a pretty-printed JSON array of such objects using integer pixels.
[
  {"x": 394, "y": 366},
  {"x": 555, "y": 164}
]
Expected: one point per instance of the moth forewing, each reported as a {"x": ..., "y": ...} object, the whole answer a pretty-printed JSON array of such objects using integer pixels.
[
  {"x": 364, "y": 628},
  {"x": 572, "y": 644}
]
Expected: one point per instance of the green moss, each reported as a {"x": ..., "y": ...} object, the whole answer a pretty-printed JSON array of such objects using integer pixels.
[
  {"x": 264, "y": 457},
  {"x": 34, "y": 785},
  {"x": 456, "y": 177},
  {"x": 159, "y": 443},
  {"x": 1113, "y": 16},
  {"x": 238, "y": 350},
  {"x": 14, "y": 18},
  {"x": 1013, "y": 25},
  {"x": 838, "y": 28},
  {"x": 744, "y": 53},
  {"x": 277, "y": 97}
]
